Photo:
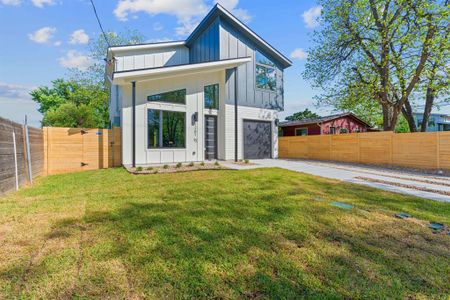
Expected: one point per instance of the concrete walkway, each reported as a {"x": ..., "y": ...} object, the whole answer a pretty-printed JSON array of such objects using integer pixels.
[{"x": 411, "y": 183}]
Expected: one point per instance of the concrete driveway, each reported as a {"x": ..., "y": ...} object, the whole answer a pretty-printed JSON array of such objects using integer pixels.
[{"x": 406, "y": 182}]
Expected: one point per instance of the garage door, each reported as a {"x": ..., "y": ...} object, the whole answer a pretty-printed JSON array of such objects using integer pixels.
[{"x": 257, "y": 139}]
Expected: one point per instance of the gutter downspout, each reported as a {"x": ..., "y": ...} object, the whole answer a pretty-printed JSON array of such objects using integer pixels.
[
  {"x": 133, "y": 125},
  {"x": 236, "y": 114}
]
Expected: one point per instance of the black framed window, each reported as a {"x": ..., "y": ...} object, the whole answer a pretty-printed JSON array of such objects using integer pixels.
[
  {"x": 178, "y": 97},
  {"x": 265, "y": 73},
  {"x": 166, "y": 129},
  {"x": 332, "y": 130},
  {"x": 212, "y": 96}
]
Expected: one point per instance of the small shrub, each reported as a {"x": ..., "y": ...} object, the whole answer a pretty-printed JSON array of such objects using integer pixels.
[
  {"x": 139, "y": 169},
  {"x": 191, "y": 164},
  {"x": 216, "y": 163},
  {"x": 246, "y": 161},
  {"x": 166, "y": 166},
  {"x": 155, "y": 172},
  {"x": 149, "y": 169},
  {"x": 179, "y": 165},
  {"x": 202, "y": 163}
]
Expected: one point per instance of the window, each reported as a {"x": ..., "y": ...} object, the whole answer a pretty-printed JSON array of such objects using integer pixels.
[
  {"x": 212, "y": 96},
  {"x": 301, "y": 131},
  {"x": 343, "y": 130},
  {"x": 265, "y": 73},
  {"x": 171, "y": 97},
  {"x": 332, "y": 130},
  {"x": 166, "y": 129}
]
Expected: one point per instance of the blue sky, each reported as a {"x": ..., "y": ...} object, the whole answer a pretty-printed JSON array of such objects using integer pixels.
[{"x": 41, "y": 39}]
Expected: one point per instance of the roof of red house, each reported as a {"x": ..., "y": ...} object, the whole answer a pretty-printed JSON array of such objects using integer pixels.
[{"x": 322, "y": 120}]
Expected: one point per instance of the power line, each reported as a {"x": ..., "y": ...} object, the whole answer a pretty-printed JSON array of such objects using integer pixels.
[{"x": 100, "y": 23}]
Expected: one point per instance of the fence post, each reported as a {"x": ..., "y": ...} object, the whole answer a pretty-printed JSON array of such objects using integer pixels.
[
  {"x": 15, "y": 158},
  {"x": 27, "y": 144},
  {"x": 438, "y": 150}
]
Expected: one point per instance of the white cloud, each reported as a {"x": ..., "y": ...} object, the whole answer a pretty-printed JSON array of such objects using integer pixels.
[
  {"x": 299, "y": 54},
  {"x": 187, "y": 12},
  {"x": 42, "y": 35},
  {"x": 11, "y": 2},
  {"x": 57, "y": 43},
  {"x": 42, "y": 3},
  {"x": 76, "y": 60},
  {"x": 79, "y": 37},
  {"x": 311, "y": 17}
]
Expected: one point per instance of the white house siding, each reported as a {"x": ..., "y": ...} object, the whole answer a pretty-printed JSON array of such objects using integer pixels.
[
  {"x": 151, "y": 58},
  {"x": 247, "y": 113},
  {"x": 194, "y": 151}
]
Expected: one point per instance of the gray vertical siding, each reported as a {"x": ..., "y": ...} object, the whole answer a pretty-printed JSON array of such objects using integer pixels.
[
  {"x": 206, "y": 46},
  {"x": 220, "y": 40},
  {"x": 233, "y": 44}
]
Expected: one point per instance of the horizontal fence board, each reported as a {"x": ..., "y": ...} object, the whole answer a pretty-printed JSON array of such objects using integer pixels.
[{"x": 424, "y": 150}]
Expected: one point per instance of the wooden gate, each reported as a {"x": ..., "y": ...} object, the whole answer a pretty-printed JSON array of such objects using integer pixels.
[{"x": 75, "y": 149}]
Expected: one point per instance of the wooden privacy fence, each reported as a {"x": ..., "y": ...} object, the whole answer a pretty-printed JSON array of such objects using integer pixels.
[
  {"x": 425, "y": 150},
  {"x": 21, "y": 154},
  {"x": 75, "y": 149}
]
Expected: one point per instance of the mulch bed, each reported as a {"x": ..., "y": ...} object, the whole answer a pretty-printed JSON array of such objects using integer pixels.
[{"x": 174, "y": 169}]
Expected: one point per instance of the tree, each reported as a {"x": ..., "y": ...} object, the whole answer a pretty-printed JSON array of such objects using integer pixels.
[
  {"x": 378, "y": 48},
  {"x": 98, "y": 48},
  {"x": 306, "y": 114},
  {"x": 72, "y": 104}
]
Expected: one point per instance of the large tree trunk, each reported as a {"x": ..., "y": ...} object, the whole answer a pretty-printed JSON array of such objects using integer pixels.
[
  {"x": 429, "y": 101},
  {"x": 390, "y": 117},
  {"x": 409, "y": 116}
]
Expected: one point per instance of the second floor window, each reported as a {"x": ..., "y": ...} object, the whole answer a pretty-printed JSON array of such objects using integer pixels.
[
  {"x": 212, "y": 96},
  {"x": 178, "y": 97},
  {"x": 265, "y": 73}
]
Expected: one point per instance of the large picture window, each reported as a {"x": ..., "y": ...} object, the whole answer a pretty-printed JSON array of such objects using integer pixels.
[
  {"x": 166, "y": 129},
  {"x": 178, "y": 97},
  {"x": 265, "y": 73},
  {"x": 212, "y": 96}
]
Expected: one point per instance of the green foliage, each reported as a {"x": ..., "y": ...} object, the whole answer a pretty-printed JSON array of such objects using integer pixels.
[
  {"x": 247, "y": 161},
  {"x": 374, "y": 51},
  {"x": 149, "y": 169},
  {"x": 95, "y": 74},
  {"x": 179, "y": 165},
  {"x": 73, "y": 104},
  {"x": 402, "y": 125},
  {"x": 139, "y": 169},
  {"x": 191, "y": 164},
  {"x": 202, "y": 163},
  {"x": 216, "y": 163},
  {"x": 306, "y": 114},
  {"x": 165, "y": 166}
]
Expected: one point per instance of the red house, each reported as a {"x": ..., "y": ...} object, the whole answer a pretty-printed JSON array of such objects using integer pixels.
[{"x": 335, "y": 124}]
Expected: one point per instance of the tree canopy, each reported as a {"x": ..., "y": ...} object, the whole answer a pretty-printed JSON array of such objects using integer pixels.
[
  {"x": 375, "y": 51},
  {"x": 306, "y": 114}
]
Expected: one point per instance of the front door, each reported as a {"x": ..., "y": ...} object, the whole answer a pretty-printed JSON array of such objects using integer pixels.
[{"x": 210, "y": 137}]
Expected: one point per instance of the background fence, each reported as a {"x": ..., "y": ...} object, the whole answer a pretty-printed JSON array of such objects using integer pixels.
[
  {"x": 74, "y": 149},
  {"x": 19, "y": 164},
  {"x": 428, "y": 150}
]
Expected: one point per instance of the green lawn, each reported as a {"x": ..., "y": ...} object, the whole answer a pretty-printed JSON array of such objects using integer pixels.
[{"x": 218, "y": 234}]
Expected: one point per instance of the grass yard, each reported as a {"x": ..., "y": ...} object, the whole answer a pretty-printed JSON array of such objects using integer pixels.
[{"x": 218, "y": 234}]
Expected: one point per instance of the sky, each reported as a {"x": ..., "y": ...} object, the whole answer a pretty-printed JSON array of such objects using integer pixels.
[{"x": 42, "y": 39}]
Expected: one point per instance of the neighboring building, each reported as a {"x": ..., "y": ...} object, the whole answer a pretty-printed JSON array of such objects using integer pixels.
[
  {"x": 215, "y": 95},
  {"x": 335, "y": 124},
  {"x": 436, "y": 122}
]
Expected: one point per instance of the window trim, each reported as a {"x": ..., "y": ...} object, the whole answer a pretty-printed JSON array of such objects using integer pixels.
[
  {"x": 307, "y": 131},
  {"x": 161, "y": 121},
  {"x": 332, "y": 128},
  {"x": 204, "y": 97},
  {"x": 166, "y": 102},
  {"x": 274, "y": 67}
]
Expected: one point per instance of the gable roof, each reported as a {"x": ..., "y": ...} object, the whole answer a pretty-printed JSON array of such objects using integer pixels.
[
  {"x": 219, "y": 10},
  {"x": 322, "y": 120}
]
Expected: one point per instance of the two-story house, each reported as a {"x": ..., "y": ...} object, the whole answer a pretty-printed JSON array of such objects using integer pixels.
[{"x": 215, "y": 95}]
